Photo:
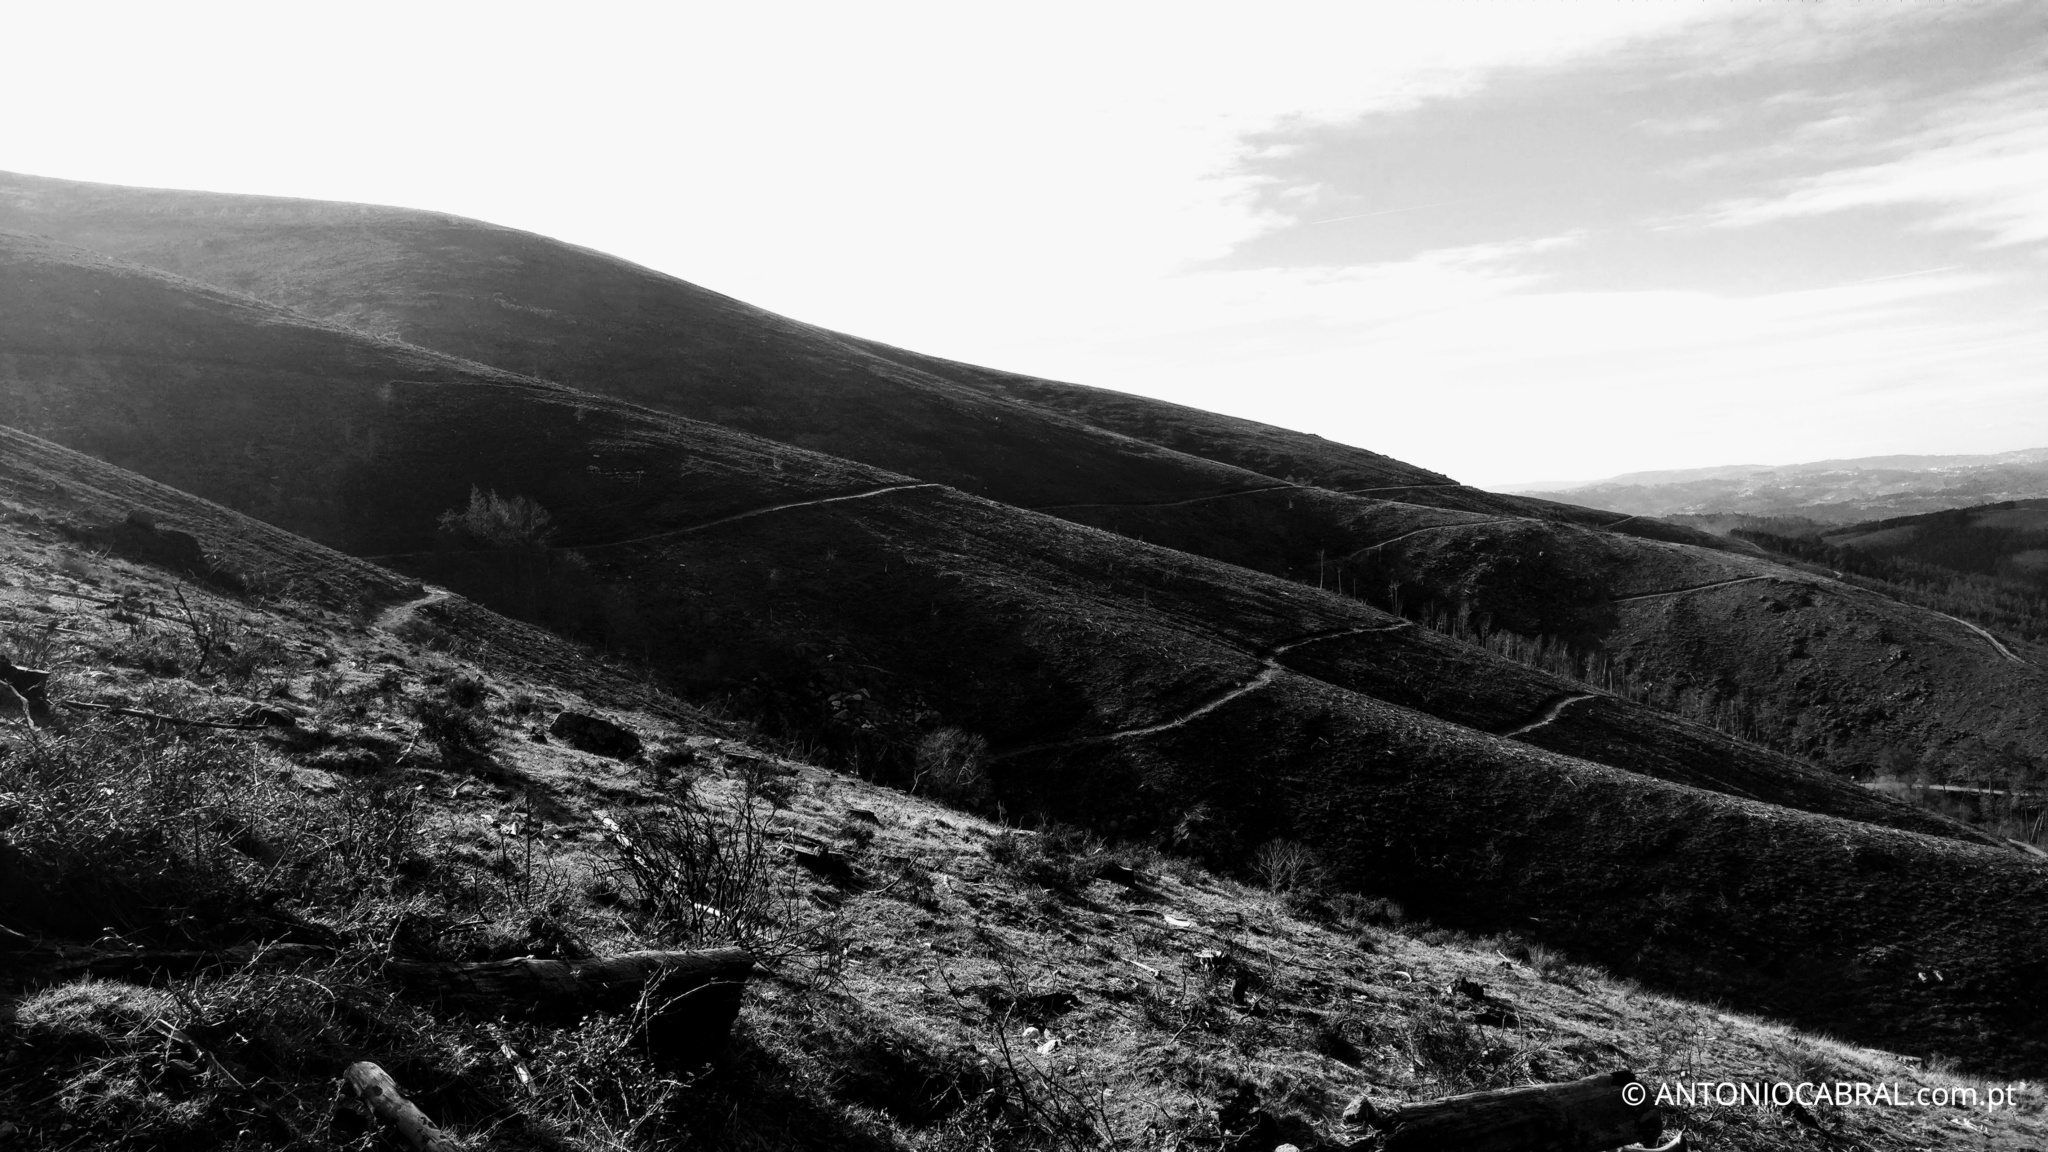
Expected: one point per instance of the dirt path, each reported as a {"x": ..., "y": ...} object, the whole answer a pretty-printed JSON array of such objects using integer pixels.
[
  {"x": 1397, "y": 488},
  {"x": 1172, "y": 503},
  {"x": 663, "y": 535},
  {"x": 1694, "y": 588},
  {"x": 1988, "y": 637},
  {"x": 1550, "y": 712},
  {"x": 1246, "y": 492},
  {"x": 1270, "y": 670},
  {"x": 750, "y": 514},
  {"x": 397, "y": 614},
  {"x": 1420, "y": 531}
]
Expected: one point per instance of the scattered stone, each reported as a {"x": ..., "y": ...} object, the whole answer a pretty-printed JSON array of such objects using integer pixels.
[
  {"x": 595, "y": 735},
  {"x": 270, "y": 716},
  {"x": 313, "y": 780},
  {"x": 830, "y": 865},
  {"x": 1116, "y": 873},
  {"x": 1496, "y": 1016},
  {"x": 1361, "y": 1113}
]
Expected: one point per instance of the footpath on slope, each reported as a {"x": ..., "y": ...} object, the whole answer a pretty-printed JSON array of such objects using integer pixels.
[{"x": 1270, "y": 669}]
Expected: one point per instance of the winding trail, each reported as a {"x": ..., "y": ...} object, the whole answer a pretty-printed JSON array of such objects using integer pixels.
[
  {"x": 1399, "y": 488},
  {"x": 397, "y": 614},
  {"x": 1245, "y": 492},
  {"x": 1270, "y": 670},
  {"x": 1693, "y": 588},
  {"x": 748, "y": 515},
  {"x": 663, "y": 535},
  {"x": 1551, "y": 712},
  {"x": 1988, "y": 637},
  {"x": 1420, "y": 531},
  {"x": 1170, "y": 503}
]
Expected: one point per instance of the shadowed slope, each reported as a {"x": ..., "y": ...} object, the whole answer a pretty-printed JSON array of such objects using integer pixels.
[
  {"x": 81, "y": 495},
  {"x": 1278, "y": 501},
  {"x": 1138, "y": 688}
]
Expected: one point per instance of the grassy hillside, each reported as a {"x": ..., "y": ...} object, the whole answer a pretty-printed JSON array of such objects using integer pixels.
[
  {"x": 1151, "y": 694},
  {"x": 238, "y": 898},
  {"x": 1277, "y": 501}
]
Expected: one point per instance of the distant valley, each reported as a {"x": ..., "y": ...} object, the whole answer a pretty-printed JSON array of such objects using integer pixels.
[{"x": 1833, "y": 491}]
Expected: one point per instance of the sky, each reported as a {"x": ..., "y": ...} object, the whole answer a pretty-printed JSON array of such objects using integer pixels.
[{"x": 1508, "y": 241}]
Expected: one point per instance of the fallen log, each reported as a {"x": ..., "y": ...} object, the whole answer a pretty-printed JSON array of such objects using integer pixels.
[
  {"x": 379, "y": 1093},
  {"x": 1589, "y": 1115},
  {"x": 692, "y": 998}
]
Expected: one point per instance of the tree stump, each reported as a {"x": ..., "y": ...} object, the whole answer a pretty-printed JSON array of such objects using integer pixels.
[
  {"x": 1589, "y": 1115},
  {"x": 693, "y": 997}
]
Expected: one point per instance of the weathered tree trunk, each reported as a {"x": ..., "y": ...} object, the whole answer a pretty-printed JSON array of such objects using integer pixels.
[
  {"x": 1589, "y": 1115},
  {"x": 693, "y": 997},
  {"x": 375, "y": 1088}
]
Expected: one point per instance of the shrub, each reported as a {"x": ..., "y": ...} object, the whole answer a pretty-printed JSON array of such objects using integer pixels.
[
  {"x": 1058, "y": 857},
  {"x": 1287, "y": 866},
  {"x": 30, "y": 645},
  {"x": 1355, "y": 913},
  {"x": 150, "y": 648},
  {"x": 457, "y": 731},
  {"x": 120, "y": 823},
  {"x": 700, "y": 875},
  {"x": 380, "y": 833},
  {"x": 494, "y": 521},
  {"x": 953, "y": 765}
]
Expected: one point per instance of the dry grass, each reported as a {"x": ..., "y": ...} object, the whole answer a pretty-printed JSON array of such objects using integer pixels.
[{"x": 954, "y": 985}]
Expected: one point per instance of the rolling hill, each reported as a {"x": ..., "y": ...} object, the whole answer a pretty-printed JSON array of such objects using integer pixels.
[
  {"x": 1834, "y": 491},
  {"x": 1146, "y": 691},
  {"x": 357, "y": 834},
  {"x": 1285, "y": 503}
]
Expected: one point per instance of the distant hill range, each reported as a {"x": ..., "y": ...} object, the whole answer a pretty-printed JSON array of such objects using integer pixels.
[{"x": 1834, "y": 491}]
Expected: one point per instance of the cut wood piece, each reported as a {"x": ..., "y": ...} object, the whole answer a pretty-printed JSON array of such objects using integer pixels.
[
  {"x": 693, "y": 997},
  {"x": 1589, "y": 1115},
  {"x": 379, "y": 1093}
]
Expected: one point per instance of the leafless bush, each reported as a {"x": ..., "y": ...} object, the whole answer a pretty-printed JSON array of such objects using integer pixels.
[
  {"x": 1058, "y": 857},
  {"x": 117, "y": 822},
  {"x": 953, "y": 765},
  {"x": 702, "y": 874},
  {"x": 495, "y": 521},
  {"x": 1287, "y": 866}
]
